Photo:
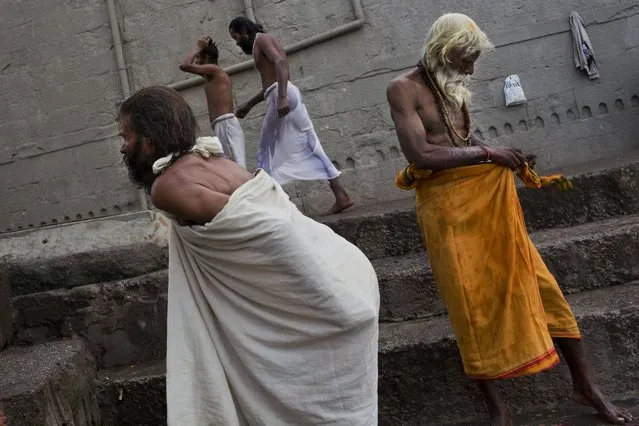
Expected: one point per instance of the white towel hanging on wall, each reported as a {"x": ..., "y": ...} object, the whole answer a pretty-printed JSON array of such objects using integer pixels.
[{"x": 583, "y": 53}]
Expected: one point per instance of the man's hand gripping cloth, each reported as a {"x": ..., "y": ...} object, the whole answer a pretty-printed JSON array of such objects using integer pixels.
[
  {"x": 272, "y": 318},
  {"x": 504, "y": 304}
]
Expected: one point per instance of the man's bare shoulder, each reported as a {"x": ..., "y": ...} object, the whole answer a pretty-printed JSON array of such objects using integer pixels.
[
  {"x": 402, "y": 90},
  {"x": 264, "y": 38},
  {"x": 218, "y": 77},
  {"x": 167, "y": 185}
]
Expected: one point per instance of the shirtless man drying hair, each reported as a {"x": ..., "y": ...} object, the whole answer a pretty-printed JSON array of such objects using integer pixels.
[{"x": 202, "y": 60}]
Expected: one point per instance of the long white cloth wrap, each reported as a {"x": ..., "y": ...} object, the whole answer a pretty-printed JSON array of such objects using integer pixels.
[
  {"x": 289, "y": 149},
  {"x": 272, "y": 318}
]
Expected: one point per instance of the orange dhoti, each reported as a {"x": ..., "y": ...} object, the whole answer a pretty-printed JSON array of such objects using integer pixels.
[{"x": 504, "y": 304}]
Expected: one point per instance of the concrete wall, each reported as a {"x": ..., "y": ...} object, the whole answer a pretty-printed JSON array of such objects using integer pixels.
[
  {"x": 60, "y": 88},
  {"x": 58, "y": 91}
]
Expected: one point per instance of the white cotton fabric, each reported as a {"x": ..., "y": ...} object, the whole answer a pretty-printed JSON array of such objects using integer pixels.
[
  {"x": 229, "y": 131},
  {"x": 272, "y": 318},
  {"x": 289, "y": 148},
  {"x": 205, "y": 146}
]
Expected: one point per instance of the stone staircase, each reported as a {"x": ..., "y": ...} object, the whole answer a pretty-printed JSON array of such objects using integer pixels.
[{"x": 89, "y": 308}]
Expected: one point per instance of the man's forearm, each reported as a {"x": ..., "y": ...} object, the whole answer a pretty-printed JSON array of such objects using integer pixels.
[
  {"x": 474, "y": 140},
  {"x": 282, "y": 75},
  {"x": 190, "y": 57},
  {"x": 448, "y": 158},
  {"x": 256, "y": 99}
]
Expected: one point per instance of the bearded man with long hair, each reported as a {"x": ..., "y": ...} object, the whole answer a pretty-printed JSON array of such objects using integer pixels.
[
  {"x": 272, "y": 318},
  {"x": 506, "y": 308}
]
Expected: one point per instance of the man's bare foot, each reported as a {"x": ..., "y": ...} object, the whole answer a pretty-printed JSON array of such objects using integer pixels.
[
  {"x": 609, "y": 412},
  {"x": 340, "y": 205},
  {"x": 503, "y": 420}
]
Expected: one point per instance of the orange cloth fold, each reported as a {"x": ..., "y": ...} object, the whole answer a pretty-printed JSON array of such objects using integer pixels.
[
  {"x": 504, "y": 304},
  {"x": 408, "y": 178}
]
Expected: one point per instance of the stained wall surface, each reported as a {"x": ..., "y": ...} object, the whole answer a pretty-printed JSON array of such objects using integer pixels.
[{"x": 59, "y": 89}]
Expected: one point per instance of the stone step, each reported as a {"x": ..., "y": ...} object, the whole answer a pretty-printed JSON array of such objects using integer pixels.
[
  {"x": 80, "y": 253},
  {"x": 571, "y": 415},
  {"x": 6, "y": 322},
  {"x": 51, "y": 384},
  {"x": 421, "y": 374},
  {"x": 581, "y": 258},
  {"x": 134, "y": 395},
  {"x": 602, "y": 190},
  {"x": 124, "y": 322},
  {"x": 129, "y": 245}
]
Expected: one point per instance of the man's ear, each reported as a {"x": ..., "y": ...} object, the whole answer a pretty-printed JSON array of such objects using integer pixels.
[{"x": 148, "y": 145}]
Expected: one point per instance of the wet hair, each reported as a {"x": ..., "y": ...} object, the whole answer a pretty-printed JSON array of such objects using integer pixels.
[
  {"x": 163, "y": 116},
  {"x": 210, "y": 53},
  {"x": 243, "y": 22}
]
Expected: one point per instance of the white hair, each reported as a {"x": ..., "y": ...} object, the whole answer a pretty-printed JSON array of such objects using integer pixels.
[{"x": 453, "y": 32}]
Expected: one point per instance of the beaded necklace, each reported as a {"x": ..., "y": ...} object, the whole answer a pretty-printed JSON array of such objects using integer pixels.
[{"x": 443, "y": 112}]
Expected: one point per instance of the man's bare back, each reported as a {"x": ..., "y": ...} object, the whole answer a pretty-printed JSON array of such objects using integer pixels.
[
  {"x": 196, "y": 189},
  {"x": 217, "y": 87}
]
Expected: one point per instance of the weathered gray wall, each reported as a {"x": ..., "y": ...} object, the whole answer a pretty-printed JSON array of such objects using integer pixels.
[{"x": 60, "y": 87}]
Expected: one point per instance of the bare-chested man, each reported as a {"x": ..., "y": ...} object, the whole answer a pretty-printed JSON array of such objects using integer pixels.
[
  {"x": 506, "y": 308},
  {"x": 266, "y": 306},
  {"x": 289, "y": 148},
  {"x": 203, "y": 61}
]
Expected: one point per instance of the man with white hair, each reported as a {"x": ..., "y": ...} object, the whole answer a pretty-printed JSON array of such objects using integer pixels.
[{"x": 506, "y": 308}]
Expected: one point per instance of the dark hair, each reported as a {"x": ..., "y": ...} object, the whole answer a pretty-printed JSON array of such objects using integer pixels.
[
  {"x": 211, "y": 53},
  {"x": 243, "y": 22},
  {"x": 162, "y": 115}
]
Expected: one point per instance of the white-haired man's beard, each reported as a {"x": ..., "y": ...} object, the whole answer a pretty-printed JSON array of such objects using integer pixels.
[{"x": 453, "y": 84}]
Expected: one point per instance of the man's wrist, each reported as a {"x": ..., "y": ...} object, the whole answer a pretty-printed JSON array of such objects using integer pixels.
[{"x": 486, "y": 151}]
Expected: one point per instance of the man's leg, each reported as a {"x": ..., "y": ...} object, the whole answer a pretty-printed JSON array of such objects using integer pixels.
[
  {"x": 496, "y": 408},
  {"x": 342, "y": 199},
  {"x": 586, "y": 392},
  {"x": 565, "y": 332}
]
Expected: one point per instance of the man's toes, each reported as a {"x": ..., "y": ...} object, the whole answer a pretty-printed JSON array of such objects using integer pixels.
[
  {"x": 627, "y": 415},
  {"x": 613, "y": 418}
]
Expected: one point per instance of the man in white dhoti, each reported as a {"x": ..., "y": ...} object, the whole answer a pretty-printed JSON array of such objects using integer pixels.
[
  {"x": 272, "y": 317},
  {"x": 289, "y": 148},
  {"x": 202, "y": 60}
]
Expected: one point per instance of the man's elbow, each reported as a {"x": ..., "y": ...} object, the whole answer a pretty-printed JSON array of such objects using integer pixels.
[
  {"x": 184, "y": 67},
  {"x": 281, "y": 63},
  {"x": 426, "y": 162}
]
